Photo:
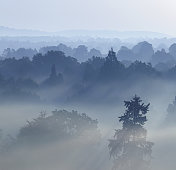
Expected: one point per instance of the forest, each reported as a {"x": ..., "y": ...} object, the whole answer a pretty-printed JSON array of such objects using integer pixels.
[
  {"x": 28, "y": 75},
  {"x": 87, "y": 85},
  {"x": 61, "y": 104}
]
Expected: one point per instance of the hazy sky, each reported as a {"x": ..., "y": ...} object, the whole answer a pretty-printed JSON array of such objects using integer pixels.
[{"x": 53, "y": 15}]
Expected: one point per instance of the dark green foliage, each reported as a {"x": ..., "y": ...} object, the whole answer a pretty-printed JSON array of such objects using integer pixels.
[{"x": 129, "y": 147}]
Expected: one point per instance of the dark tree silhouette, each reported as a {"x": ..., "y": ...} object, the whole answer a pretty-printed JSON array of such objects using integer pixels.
[
  {"x": 53, "y": 79},
  {"x": 112, "y": 69},
  {"x": 138, "y": 70},
  {"x": 129, "y": 148}
]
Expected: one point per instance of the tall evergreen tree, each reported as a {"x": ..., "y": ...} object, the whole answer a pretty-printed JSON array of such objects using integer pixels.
[
  {"x": 129, "y": 147},
  {"x": 112, "y": 69},
  {"x": 53, "y": 79}
]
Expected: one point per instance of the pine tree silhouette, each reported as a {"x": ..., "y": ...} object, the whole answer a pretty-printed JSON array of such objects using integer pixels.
[{"x": 129, "y": 147}]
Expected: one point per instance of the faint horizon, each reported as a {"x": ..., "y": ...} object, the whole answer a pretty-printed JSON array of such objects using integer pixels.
[
  {"x": 101, "y": 33},
  {"x": 56, "y": 15}
]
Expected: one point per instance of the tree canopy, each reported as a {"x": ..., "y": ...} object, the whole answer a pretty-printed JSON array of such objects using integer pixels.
[{"x": 60, "y": 125}]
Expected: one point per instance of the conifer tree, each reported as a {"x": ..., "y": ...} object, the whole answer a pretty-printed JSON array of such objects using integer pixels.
[{"x": 129, "y": 147}]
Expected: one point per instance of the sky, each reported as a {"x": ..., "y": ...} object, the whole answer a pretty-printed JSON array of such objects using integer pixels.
[{"x": 120, "y": 15}]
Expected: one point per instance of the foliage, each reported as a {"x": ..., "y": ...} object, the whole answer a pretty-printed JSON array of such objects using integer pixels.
[
  {"x": 96, "y": 76},
  {"x": 53, "y": 79},
  {"x": 112, "y": 68},
  {"x": 129, "y": 147},
  {"x": 60, "y": 125}
]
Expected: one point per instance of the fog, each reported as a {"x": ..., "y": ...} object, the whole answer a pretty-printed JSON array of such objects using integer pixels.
[
  {"x": 87, "y": 85},
  {"x": 86, "y": 152},
  {"x": 57, "y": 112}
]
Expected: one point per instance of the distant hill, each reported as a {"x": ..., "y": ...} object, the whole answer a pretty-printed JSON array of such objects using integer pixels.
[
  {"x": 6, "y": 31},
  {"x": 113, "y": 34}
]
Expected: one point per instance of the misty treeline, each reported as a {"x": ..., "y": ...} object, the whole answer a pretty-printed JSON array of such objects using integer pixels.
[
  {"x": 53, "y": 76},
  {"x": 162, "y": 58},
  {"x": 81, "y": 52},
  {"x": 129, "y": 148}
]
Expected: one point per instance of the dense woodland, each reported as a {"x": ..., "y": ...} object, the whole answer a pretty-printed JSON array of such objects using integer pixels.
[
  {"x": 25, "y": 78},
  {"x": 67, "y": 76},
  {"x": 87, "y": 85}
]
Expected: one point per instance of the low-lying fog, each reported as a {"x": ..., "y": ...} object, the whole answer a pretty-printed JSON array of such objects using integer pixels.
[{"x": 85, "y": 153}]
